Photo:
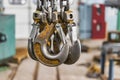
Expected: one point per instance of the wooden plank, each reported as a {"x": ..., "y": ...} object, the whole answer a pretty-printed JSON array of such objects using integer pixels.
[
  {"x": 26, "y": 70},
  {"x": 91, "y": 43},
  {"x": 57, "y": 74},
  {"x": 46, "y": 73},
  {"x": 103, "y": 77},
  {"x": 13, "y": 73},
  {"x": 68, "y": 72},
  {"x": 21, "y": 54},
  {"x": 76, "y": 72},
  {"x": 73, "y": 72},
  {"x": 6, "y": 74},
  {"x": 36, "y": 71}
]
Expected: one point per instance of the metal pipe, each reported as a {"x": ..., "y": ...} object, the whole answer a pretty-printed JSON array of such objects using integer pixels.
[
  {"x": 111, "y": 69},
  {"x": 103, "y": 59}
]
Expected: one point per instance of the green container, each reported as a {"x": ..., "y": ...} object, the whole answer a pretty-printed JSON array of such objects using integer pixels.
[
  {"x": 118, "y": 21},
  {"x": 7, "y": 27}
]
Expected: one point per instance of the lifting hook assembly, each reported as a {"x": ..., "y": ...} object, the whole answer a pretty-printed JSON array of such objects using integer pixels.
[{"x": 51, "y": 41}]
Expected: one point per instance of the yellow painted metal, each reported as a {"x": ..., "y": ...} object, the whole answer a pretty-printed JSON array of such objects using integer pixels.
[
  {"x": 46, "y": 30},
  {"x": 39, "y": 54}
]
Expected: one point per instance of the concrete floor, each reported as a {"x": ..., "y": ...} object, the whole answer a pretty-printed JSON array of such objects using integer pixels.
[{"x": 27, "y": 69}]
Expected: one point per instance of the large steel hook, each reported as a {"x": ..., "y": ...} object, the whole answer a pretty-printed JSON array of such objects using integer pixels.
[
  {"x": 46, "y": 56},
  {"x": 48, "y": 41},
  {"x": 31, "y": 39},
  {"x": 75, "y": 47}
]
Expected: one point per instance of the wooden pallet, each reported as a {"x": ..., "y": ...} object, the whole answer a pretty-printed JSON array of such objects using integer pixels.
[
  {"x": 21, "y": 53},
  {"x": 103, "y": 77},
  {"x": 29, "y": 69}
]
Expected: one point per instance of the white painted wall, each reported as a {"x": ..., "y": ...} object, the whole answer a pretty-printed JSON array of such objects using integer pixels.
[
  {"x": 23, "y": 15},
  {"x": 93, "y": 1}
]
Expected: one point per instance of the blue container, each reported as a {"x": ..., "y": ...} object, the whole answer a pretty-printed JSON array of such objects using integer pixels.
[
  {"x": 111, "y": 18},
  {"x": 85, "y": 21},
  {"x": 7, "y": 27}
]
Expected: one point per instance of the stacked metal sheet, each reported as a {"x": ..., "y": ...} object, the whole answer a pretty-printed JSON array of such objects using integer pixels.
[{"x": 85, "y": 21}]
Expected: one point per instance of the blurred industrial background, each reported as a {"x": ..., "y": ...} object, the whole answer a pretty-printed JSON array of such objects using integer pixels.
[{"x": 98, "y": 29}]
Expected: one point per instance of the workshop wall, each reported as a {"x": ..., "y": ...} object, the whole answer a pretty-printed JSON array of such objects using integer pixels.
[
  {"x": 93, "y": 1},
  {"x": 22, "y": 17},
  {"x": 111, "y": 22},
  {"x": 111, "y": 18},
  {"x": 23, "y": 14}
]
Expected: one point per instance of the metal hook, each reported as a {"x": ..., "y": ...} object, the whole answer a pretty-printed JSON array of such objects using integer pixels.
[
  {"x": 46, "y": 27},
  {"x": 43, "y": 54},
  {"x": 31, "y": 41},
  {"x": 74, "y": 53},
  {"x": 75, "y": 48}
]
